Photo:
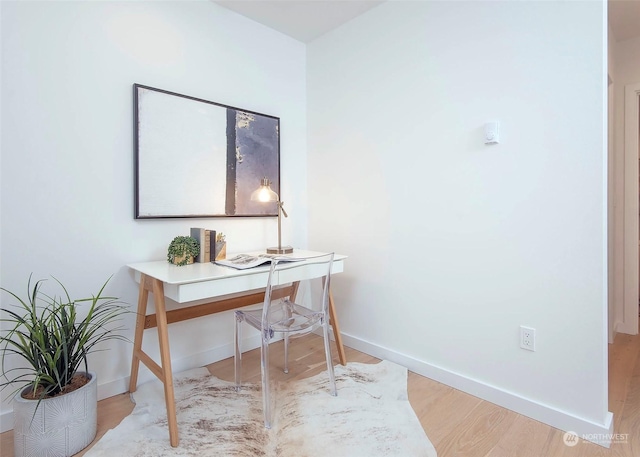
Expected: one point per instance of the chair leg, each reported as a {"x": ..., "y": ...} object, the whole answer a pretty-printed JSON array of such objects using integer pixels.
[
  {"x": 264, "y": 366},
  {"x": 286, "y": 353},
  {"x": 327, "y": 352},
  {"x": 238, "y": 352},
  {"x": 288, "y": 307}
]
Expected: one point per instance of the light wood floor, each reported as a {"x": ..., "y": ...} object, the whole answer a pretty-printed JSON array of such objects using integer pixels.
[{"x": 457, "y": 424}]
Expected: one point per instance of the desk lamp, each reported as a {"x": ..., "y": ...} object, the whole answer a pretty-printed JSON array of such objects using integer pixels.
[{"x": 265, "y": 194}]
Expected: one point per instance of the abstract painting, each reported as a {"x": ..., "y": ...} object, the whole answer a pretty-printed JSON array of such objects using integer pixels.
[{"x": 196, "y": 158}]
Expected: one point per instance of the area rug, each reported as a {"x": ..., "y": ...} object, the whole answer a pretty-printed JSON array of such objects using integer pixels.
[{"x": 370, "y": 417}]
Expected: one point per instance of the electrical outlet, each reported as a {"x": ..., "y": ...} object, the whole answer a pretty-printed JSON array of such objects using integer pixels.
[{"x": 527, "y": 338}]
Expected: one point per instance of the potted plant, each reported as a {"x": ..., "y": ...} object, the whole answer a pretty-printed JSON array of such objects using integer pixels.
[
  {"x": 183, "y": 250},
  {"x": 55, "y": 414}
]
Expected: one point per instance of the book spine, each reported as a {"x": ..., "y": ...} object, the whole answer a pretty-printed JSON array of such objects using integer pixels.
[
  {"x": 206, "y": 246},
  {"x": 199, "y": 235}
]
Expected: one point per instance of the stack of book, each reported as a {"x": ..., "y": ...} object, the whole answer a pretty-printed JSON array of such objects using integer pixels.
[{"x": 206, "y": 239}]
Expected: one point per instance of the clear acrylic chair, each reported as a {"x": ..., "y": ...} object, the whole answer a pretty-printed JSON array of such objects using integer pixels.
[{"x": 281, "y": 314}]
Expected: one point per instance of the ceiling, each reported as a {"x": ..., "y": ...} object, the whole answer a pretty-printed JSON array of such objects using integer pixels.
[{"x": 306, "y": 20}]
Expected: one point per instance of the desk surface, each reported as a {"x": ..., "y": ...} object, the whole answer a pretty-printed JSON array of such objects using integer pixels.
[{"x": 206, "y": 280}]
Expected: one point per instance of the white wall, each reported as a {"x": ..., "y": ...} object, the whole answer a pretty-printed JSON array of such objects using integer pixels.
[
  {"x": 67, "y": 159},
  {"x": 454, "y": 244}
]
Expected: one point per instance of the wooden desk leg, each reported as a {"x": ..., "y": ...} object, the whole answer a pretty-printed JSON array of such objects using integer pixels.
[
  {"x": 165, "y": 360},
  {"x": 166, "y": 375},
  {"x": 143, "y": 295},
  {"x": 333, "y": 320}
]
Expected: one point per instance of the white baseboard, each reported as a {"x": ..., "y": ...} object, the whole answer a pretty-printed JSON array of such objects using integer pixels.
[
  {"x": 598, "y": 433},
  {"x": 6, "y": 421},
  {"x": 622, "y": 327}
]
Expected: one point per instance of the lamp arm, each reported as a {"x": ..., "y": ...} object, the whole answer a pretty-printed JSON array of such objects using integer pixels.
[{"x": 282, "y": 208}]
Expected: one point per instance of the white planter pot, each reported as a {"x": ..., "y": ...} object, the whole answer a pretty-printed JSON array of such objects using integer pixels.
[{"x": 62, "y": 426}]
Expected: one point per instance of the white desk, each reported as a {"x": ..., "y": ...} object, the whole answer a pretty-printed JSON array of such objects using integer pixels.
[{"x": 229, "y": 288}]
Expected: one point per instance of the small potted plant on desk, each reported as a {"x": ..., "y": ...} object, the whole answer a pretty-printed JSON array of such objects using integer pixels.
[
  {"x": 56, "y": 413},
  {"x": 183, "y": 250}
]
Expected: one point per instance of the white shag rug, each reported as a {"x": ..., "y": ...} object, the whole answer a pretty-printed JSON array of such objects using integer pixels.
[{"x": 370, "y": 417}]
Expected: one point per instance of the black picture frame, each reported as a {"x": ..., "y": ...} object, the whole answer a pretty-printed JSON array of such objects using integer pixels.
[{"x": 194, "y": 158}]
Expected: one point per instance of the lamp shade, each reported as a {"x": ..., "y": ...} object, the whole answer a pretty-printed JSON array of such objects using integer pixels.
[{"x": 264, "y": 193}]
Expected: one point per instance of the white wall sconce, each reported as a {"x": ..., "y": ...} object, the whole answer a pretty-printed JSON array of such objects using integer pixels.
[{"x": 492, "y": 132}]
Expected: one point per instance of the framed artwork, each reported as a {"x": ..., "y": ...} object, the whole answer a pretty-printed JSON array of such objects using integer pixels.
[{"x": 196, "y": 158}]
